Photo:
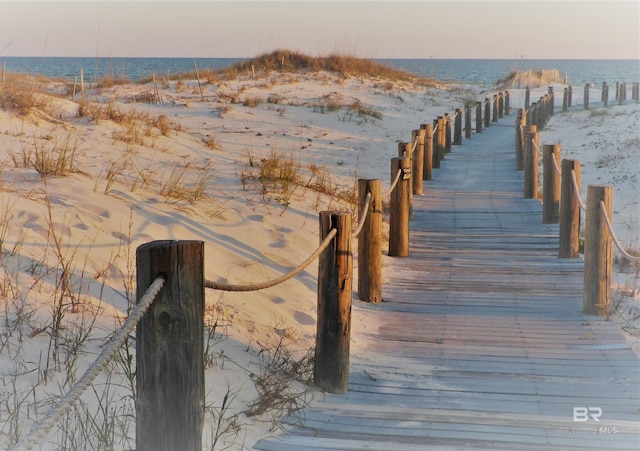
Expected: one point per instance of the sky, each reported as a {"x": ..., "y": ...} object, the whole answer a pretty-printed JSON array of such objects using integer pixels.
[{"x": 506, "y": 29}]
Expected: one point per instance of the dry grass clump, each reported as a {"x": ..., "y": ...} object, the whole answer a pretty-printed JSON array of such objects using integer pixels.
[
  {"x": 288, "y": 61},
  {"x": 19, "y": 95}
]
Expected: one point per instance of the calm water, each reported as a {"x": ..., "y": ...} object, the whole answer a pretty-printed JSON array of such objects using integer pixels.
[{"x": 481, "y": 72}]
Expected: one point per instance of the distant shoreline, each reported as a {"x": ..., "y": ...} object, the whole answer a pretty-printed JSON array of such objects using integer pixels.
[{"x": 484, "y": 72}]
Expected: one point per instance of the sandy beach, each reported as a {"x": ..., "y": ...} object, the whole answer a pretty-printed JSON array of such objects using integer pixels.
[{"x": 244, "y": 164}]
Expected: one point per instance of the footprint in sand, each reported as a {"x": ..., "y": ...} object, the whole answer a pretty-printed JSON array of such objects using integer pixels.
[{"x": 304, "y": 319}]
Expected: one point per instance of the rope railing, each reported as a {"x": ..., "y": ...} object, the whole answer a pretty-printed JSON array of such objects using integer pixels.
[
  {"x": 415, "y": 144},
  {"x": 278, "y": 280},
  {"x": 393, "y": 185},
  {"x": 39, "y": 431},
  {"x": 556, "y": 168},
  {"x": 622, "y": 250},
  {"x": 576, "y": 190},
  {"x": 365, "y": 209},
  {"x": 536, "y": 148}
]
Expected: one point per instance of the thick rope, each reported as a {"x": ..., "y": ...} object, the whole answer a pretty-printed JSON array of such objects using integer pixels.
[
  {"x": 39, "y": 431},
  {"x": 576, "y": 190},
  {"x": 365, "y": 211},
  {"x": 278, "y": 280},
  {"x": 536, "y": 148},
  {"x": 415, "y": 144},
  {"x": 393, "y": 185},
  {"x": 625, "y": 254},
  {"x": 555, "y": 165}
]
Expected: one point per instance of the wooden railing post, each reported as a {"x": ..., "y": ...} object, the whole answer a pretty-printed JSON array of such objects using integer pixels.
[
  {"x": 494, "y": 105},
  {"x": 530, "y": 159},
  {"x": 448, "y": 138},
  {"x": 457, "y": 128},
  {"x": 417, "y": 161},
  {"x": 370, "y": 242},
  {"x": 569, "y": 240},
  {"x": 436, "y": 142},
  {"x": 442, "y": 139},
  {"x": 569, "y": 95},
  {"x": 428, "y": 152},
  {"x": 487, "y": 112},
  {"x": 399, "y": 209},
  {"x": 586, "y": 97},
  {"x": 500, "y": 105},
  {"x": 405, "y": 149},
  {"x": 604, "y": 98},
  {"x": 552, "y": 102},
  {"x": 521, "y": 122},
  {"x": 467, "y": 122},
  {"x": 527, "y": 98},
  {"x": 598, "y": 253},
  {"x": 170, "y": 348},
  {"x": 550, "y": 184},
  {"x": 479, "y": 117},
  {"x": 623, "y": 94},
  {"x": 507, "y": 103},
  {"x": 333, "y": 329},
  {"x": 565, "y": 100}
]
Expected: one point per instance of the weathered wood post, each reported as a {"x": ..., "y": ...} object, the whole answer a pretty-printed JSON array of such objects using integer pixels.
[
  {"x": 550, "y": 183},
  {"x": 530, "y": 157},
  {"x": 467, "y": 122},
  {"x": 479, "y": 117},
  {"x": 598, "y": 253},
  {"x": 604, "y": 98},
  {"x": 428, "y": 152},
  {"x": 500, "y": 105},
  {"x": 405, "y": 149},
  {"x": 569, "y": 240},
  {"x": 565, "y": 100},
  {"x": 399, "y": 209},
  {"x": 333, "y": 329},
  {"x": 442, "y": 138},
  {"x": 527, "y": 98},
  {"x": 552, "y": 102},
  {"x": 487, "y": 112},
  {"x": 417, "y": 161},
  {"x": 586, "y": 97},
  {"x": 521, "y": 123},
  {"x": 457, "y": 128},
  {"x": 507, "y": 103},
  {"x": 170, "y": 347},
  {"x": 448, "y": 138},
  {"x": 570, "y": 95},
  {"x": 532, "y": 115},
  {"x": 623, "y": 94},
  {"x": 494, "y": 105},
  {"x": 617, "y": 91},
  {"x": 436, "y": 142},
  {"x": 370, "y": 242}
]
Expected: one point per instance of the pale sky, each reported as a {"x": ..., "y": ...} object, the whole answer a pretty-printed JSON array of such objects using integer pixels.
[{"x": 507, "y": 29}]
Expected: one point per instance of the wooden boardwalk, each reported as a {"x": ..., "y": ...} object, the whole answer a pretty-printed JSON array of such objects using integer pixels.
[{"x": 480, "y": 342}]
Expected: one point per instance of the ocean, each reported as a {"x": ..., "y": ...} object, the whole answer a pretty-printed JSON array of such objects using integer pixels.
[{"x": 473, "y": 71}]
